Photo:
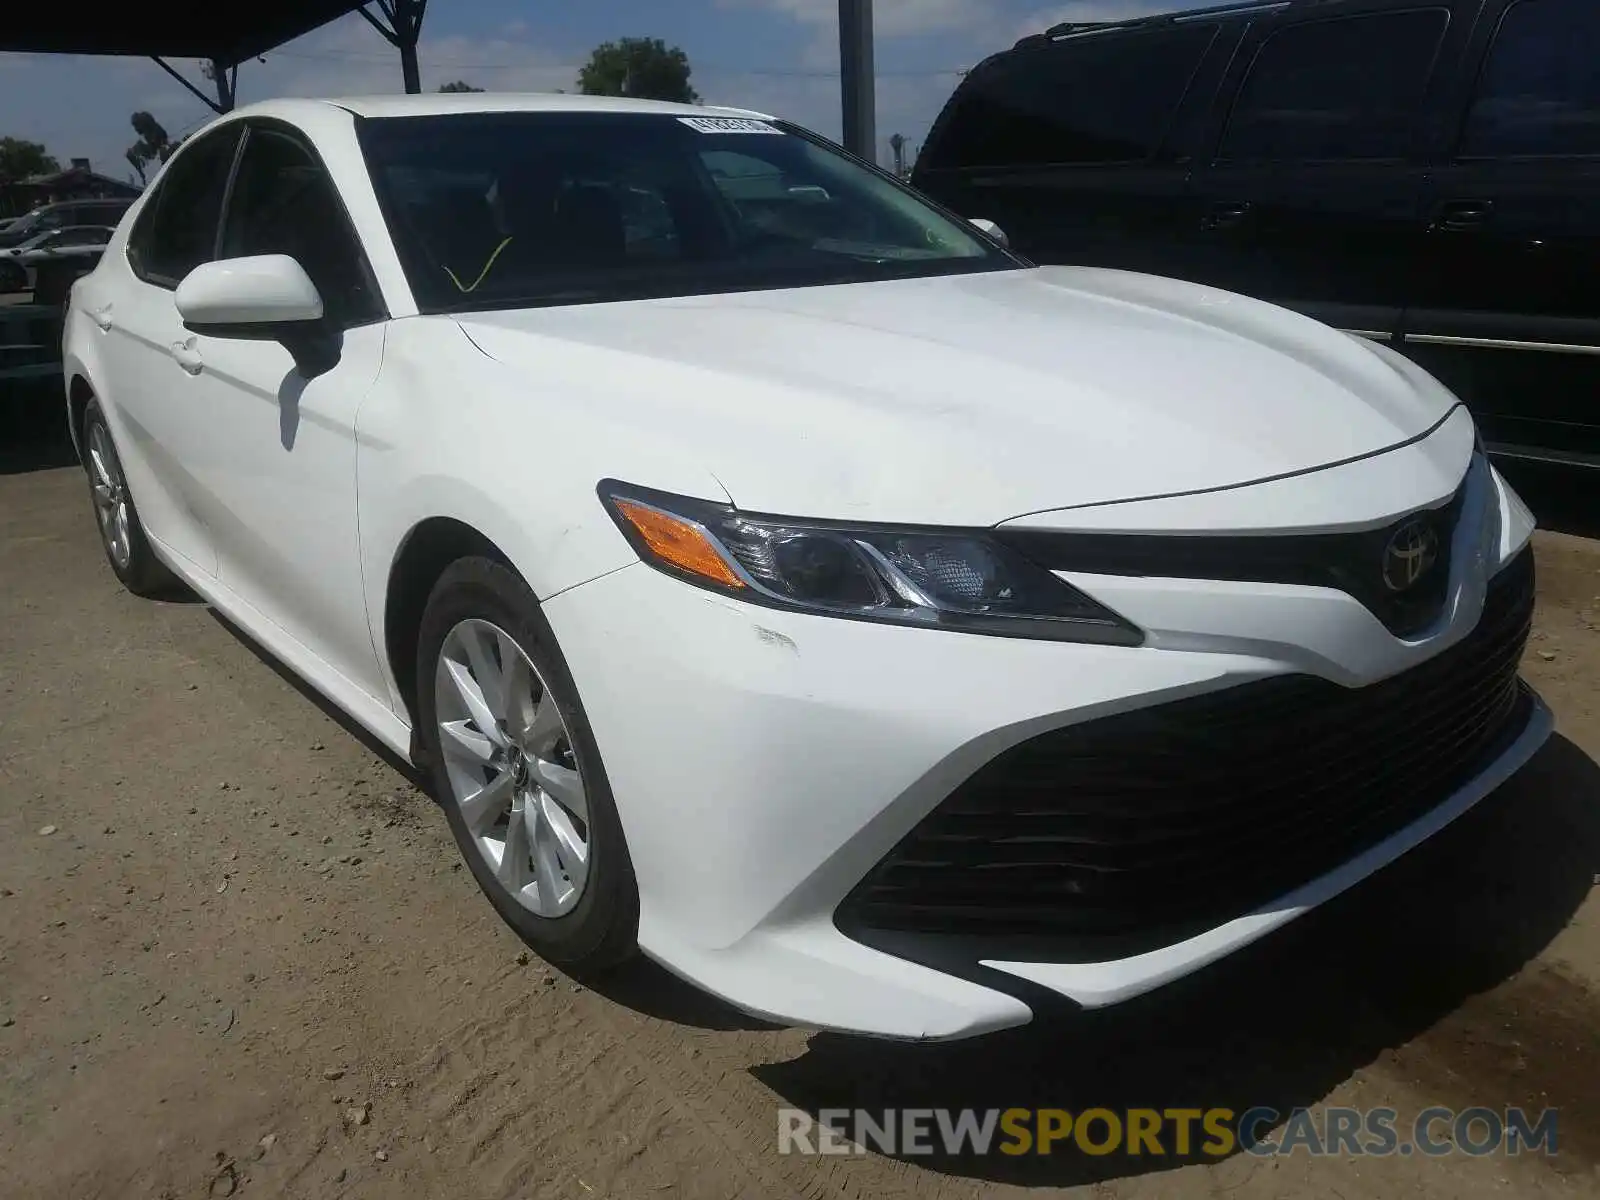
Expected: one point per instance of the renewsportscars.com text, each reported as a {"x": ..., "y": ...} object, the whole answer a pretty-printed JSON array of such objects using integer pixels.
[{"x": 1175, "y": 1132}]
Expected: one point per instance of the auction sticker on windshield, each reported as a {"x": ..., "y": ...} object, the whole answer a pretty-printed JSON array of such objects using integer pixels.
[{"x": 728, "y": 125}]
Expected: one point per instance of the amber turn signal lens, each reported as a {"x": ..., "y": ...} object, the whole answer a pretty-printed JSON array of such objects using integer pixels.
[{"x": 678, "y": 543}]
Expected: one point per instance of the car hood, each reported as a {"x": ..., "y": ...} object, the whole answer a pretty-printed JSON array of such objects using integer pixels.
[{"x": 970, "y": 399}]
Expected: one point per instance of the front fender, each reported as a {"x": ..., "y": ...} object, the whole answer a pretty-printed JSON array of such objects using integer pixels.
[{"x": 447, "y": 432}]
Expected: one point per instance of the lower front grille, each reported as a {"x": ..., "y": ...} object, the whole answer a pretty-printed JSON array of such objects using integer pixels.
[{"x": 1134, "y": 831}]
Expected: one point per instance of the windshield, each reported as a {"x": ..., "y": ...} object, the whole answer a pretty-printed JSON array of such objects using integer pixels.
[{"x": 497, "y": 210}]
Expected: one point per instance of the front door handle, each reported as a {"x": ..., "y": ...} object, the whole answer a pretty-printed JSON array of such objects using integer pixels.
[
  {"x": 1226, "y": 214},
  {"x": 1456, "y": 215},
  {"x": 187, "y": 356}
]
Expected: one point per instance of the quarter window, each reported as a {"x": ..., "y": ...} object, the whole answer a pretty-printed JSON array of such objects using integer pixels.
[
  {"x": 1338, "y": 89},
  {"x": 1539, "y": 94},
  {"x": 1090, "y": 99},
  {"x": 177, "y": 230}
]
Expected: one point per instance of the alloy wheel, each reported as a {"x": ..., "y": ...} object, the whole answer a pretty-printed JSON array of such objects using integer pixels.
[
  {"x": 110, "y": 496},
  {"x": 512, "y": 770}
]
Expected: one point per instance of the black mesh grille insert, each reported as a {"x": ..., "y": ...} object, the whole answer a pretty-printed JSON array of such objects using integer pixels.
[
  {"x": 1133, "y": 831},
  {"x": 1352, "y": 563}
]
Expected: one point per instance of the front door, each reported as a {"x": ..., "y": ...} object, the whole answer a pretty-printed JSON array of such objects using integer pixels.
[
  {"x": 1506, "y": 311},
  {"x": 285, "y": 473},
  {"x": 1311, "y": 196}
]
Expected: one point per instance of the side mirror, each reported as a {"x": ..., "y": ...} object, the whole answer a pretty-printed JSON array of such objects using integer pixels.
[
  {"x": 991, "y": 229},
  {"x": 265, "y": 297}
]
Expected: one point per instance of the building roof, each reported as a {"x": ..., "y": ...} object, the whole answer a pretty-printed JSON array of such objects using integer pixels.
[
  {"x": 168, "y": 28},
  {"x": 79, "y": 175}
]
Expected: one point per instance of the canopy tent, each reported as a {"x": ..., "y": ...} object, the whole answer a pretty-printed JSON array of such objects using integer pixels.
[
  {"x": 226, "y": 36},
  {"x": 220, "y": 34}
]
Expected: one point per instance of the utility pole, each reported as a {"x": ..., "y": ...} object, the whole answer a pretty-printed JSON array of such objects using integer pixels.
[
  {"x": 856, "y": 92},
  {"x": 402, "y": 32}
]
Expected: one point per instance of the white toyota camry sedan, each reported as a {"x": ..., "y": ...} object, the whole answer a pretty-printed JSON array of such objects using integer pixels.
[{"x": 776, "y": 575}]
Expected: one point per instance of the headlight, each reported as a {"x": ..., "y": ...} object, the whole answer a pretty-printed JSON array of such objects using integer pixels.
[{"x": 945, "y": 579}]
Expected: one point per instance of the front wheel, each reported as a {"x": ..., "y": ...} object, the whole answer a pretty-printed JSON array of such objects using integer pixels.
[{"x": 516, "y": 767}]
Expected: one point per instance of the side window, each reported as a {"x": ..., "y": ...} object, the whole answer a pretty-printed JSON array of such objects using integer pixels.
[
  {"x": 177, "y": 229},
  {"x": 1539, "y": 93},
  {"x": 1093, "y": 99},
  {"x": 1336, "y": 89},
  {"x": 284, "y": 203}
]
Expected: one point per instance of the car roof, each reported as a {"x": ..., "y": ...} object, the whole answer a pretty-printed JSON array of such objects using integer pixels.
[
  {"x": 441, "y": 103},
  {"x": 1221, "y": 10}
]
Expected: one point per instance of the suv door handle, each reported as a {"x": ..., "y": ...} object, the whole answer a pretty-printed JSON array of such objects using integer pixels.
[
  {"x": 187, "y": 356},
  {"x": 1226, "y": 214},
  {"x": 1462, "y": 214},
  {"x": 102, "y": 317}
]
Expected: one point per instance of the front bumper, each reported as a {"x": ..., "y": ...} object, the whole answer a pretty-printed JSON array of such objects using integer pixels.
[{"x": 765, "y": 762}]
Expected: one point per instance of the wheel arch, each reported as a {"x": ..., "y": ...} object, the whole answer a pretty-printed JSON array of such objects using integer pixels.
[
  {"x": 423, "y": 555},
  {"x": 79, "y": 393}
]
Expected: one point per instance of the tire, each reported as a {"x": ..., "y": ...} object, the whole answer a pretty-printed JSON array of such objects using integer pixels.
[
  {"x": 478, "y": 597},
  {"x": 122, "y": 535}
]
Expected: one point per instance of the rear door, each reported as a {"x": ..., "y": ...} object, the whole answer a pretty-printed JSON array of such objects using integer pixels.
[
  {"x": 1073, "y": 145},
  {"x": 1312, "y": 195},
  {"x": 1507, "y": 305},
  {"x": 165, "y": 434}
]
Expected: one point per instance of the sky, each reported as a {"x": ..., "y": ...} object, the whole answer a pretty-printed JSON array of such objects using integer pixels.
[{"x": 777, "y": 56}]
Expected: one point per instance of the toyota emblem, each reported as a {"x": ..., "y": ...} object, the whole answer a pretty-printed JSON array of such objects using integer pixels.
[{"x": 1409, "y": 555}]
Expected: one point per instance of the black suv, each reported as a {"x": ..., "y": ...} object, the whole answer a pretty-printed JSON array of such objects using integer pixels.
[{"x": 1424, "y": 172}]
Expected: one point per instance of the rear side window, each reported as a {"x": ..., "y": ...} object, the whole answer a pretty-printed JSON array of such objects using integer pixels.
[
  {"x": 1539, "y": 93},
  {"x": 1094, "y": 99},
  {"x": 177, "y": 229},
  {"x": 1339, "y": 89}
]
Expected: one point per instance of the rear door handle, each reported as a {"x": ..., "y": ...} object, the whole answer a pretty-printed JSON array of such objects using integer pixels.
[
  {"x": 1226, "y": 214},
  {"x": 187, "y": 356},
  {"x": 102, "y": 317},
  {"x": 1462, "y": 214}
]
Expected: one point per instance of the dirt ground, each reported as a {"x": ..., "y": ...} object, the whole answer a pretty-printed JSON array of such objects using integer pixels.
[{"x": 245, "y": 962}]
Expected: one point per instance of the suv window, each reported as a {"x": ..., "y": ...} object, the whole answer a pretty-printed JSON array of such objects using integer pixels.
[
  {"x": 1093, "y": 99},
  {"x": 284, "y": 203},
  {"x": 1336, "y": 89},
  {"x": 100, "y": 214},
  {"x": 77, "y": 235},
  {"x": 177, "y": 229},
  {"x": 1539, "y": 93}
]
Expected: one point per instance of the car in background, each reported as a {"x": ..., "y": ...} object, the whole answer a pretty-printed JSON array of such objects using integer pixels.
[
  {"x": 1423, "y": 174},
  {"x": 774, "y": 574},
  {"x": 60, "y": 215},
  {"x": 74, "y": 247}
]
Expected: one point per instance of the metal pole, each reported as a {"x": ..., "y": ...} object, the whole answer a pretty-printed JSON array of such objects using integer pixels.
[{"x": 856, "y": 78}]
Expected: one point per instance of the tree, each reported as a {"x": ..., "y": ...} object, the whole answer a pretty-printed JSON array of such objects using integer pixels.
[
  {"x": 643, "y": 67},
  {"x": 20, "y": 159},
  {"x": 459, "y": 85},
  {"x": 153, "y": 145}
]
